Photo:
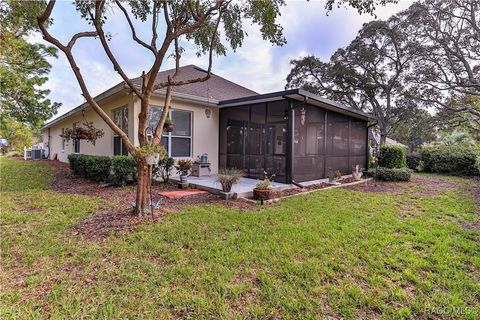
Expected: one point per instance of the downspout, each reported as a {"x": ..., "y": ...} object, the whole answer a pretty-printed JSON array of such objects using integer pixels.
[
  {"x": 368, "y": 151},
  {"x": 292, "y": 142}
]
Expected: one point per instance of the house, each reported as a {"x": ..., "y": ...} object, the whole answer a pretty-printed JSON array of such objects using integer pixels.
[{"x": 294, "y": 134}]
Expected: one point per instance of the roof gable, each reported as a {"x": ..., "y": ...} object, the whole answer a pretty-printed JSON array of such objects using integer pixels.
[{"x": 216, "y": 87}]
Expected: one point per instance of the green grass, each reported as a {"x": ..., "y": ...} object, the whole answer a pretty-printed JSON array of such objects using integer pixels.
[{"x": 336, "y": 253}]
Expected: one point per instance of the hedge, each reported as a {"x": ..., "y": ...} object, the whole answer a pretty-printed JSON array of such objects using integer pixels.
[
  {"x": 395, "y": 174},
  {"x": 452, "y": 160},
  {"x": 124, "y": 169},
  {"x": 393, "y": 157},
  {"x": 117, "y": 169},
  {"x": 413, "y": 160}
]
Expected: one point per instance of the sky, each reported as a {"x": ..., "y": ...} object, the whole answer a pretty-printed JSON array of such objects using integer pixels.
[{"x": 257, "y": 65}]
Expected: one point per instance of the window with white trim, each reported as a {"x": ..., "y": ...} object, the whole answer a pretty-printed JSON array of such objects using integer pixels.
[
  {"x": 76, "y": 142},
  {"x": 120, "y": 117},
  {"x": 178, "y": 143}
]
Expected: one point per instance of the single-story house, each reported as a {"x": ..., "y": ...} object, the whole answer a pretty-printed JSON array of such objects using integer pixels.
[{"x": 296, "y": 135}]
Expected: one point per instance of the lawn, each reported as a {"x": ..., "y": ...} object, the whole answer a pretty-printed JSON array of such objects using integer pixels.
[{"x": 335, "y": 253}]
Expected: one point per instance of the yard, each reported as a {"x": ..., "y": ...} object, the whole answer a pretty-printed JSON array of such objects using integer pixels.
[{"x": 391, "y": 250}]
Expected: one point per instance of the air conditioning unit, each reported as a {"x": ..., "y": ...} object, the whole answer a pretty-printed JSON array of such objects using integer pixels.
[{"x": 37, "y": 154}]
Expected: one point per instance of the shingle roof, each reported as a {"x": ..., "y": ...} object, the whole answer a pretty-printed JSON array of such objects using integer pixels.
[{"x": 216, "y": 87}]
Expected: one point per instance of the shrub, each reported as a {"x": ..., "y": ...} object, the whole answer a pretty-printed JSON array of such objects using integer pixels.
[
  {"x": 15, "y": 153},
  {"x": 72, "y": 160},
  {"x": 124, "y": 169},
  {"x": 228, "y": 177},
  {"x": 97, "y": 168},
  {"x": 453, "y": 160},
  {"x": 393, "y": 157},
  {"x": 395, "y": 174},
  {"x": 120, "y": 169},
  {"x": 413, "y": 160},
  {"x": 164, "y": 168}
]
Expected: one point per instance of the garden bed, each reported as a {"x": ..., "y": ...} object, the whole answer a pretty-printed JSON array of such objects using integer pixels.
[{"x": 115, "y": 216}]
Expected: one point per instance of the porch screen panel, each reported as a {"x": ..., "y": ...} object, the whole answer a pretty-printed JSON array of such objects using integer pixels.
[
  {"x": 256, "y": 141},
  {"x": 337, "y": 141},
  {"x": 358, "y": 143},
  {"x": 308, "y": 143},
  {"x": 276, "y": 143},
  {"x": 233, "y": 135}
]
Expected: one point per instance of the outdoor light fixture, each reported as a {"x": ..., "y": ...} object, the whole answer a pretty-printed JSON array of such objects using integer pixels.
[
  {"x": 208, "y": 112},
  {"x": 302, "y": 116}
]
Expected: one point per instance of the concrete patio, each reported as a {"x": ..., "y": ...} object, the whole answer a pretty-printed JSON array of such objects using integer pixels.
[{"x": 243, "y": 189}]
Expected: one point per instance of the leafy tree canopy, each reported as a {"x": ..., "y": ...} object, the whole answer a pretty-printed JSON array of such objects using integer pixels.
[{"x": 23, "y": 65}]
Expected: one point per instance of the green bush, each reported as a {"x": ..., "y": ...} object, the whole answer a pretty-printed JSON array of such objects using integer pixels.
[
  {"x": 395, "y": 174},
  {"x": 413, "y": 160},
  {"x": 124, "y": 169},
  {"x": 393, "y": 157},
  {"x": 118, "y": 169},
  {"x": 164, "y": 168},
  {"x": 454, "y": 160},
  {"x": 98, "y": 168}
]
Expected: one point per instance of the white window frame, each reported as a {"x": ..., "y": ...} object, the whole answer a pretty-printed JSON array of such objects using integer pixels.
[{"x": 169, "y": 135}]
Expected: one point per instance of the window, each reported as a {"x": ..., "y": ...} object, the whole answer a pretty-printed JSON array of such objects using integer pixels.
[
  {"x": 76, "y": 142},
  {"x": 76, "y": 146},
  {"x": 120, "y": 117},
  {"x": 178, "y": 143},
  {"x": 63, "y": 139}
]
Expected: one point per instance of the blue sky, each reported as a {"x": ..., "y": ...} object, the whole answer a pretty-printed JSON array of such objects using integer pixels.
[{"x": 257, "y": 64}]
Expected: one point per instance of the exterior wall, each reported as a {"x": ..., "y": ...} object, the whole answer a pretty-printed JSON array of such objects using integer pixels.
[
  {"x": 204, "y": 130},
  {"x": 103, "y": 146}
]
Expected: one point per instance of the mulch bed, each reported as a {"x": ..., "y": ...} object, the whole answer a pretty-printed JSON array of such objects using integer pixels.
[{"x": 116, "y": 216}]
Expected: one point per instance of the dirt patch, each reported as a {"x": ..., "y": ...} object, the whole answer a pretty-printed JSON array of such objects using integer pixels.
[
  {"x": 419, "y": 185},
  {"x": 115, "y": 216},
  {"x": 312, "y": 187}
]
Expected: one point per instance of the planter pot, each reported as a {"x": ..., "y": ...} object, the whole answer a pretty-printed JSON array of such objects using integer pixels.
[
  {"x": 151, "y": 159},
  {"x": 168, "y": 127},
  {"x": 357, "y": 176},
  {"x": 262, "y": 194},
  {"x": 183, "y": 179},
  {"x": 228, "y": 195}
]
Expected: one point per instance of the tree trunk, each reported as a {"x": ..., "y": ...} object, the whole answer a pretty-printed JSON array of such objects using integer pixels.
[
  {"x": 383, "y": 137},
  {"x": 143, "y": 192}
]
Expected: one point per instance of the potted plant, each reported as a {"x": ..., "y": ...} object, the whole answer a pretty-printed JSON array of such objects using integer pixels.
[
  {"x": 153, "y": 153},
  {"x": 334, "y": 176},
  {"x": 228, "y": 177},
  {"x": 357, "y": 173},
  {"x": 86, "y": 131},
  {"x": 168, "y": 125},
  {"x": 263, "y": 191},
  {"x": 183, "y": 169}
]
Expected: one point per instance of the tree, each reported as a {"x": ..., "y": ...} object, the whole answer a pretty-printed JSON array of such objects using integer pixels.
[
  {"x": 446, "y": 71},
  {"x": 415, "y": 128},
  {"x": 23, "y": 66},
  {"x": 18, "y": 134},
  {"x": 367, "y": 75},
  {"x": 199, "y": 22}
]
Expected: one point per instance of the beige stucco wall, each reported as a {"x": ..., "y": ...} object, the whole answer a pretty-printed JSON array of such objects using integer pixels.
[
  {"x": 205, "y": 130},
  {"x": 204, "y": 134}
]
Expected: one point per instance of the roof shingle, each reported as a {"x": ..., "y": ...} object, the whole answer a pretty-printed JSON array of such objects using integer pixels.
[{"x": 216, "y": 87}]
